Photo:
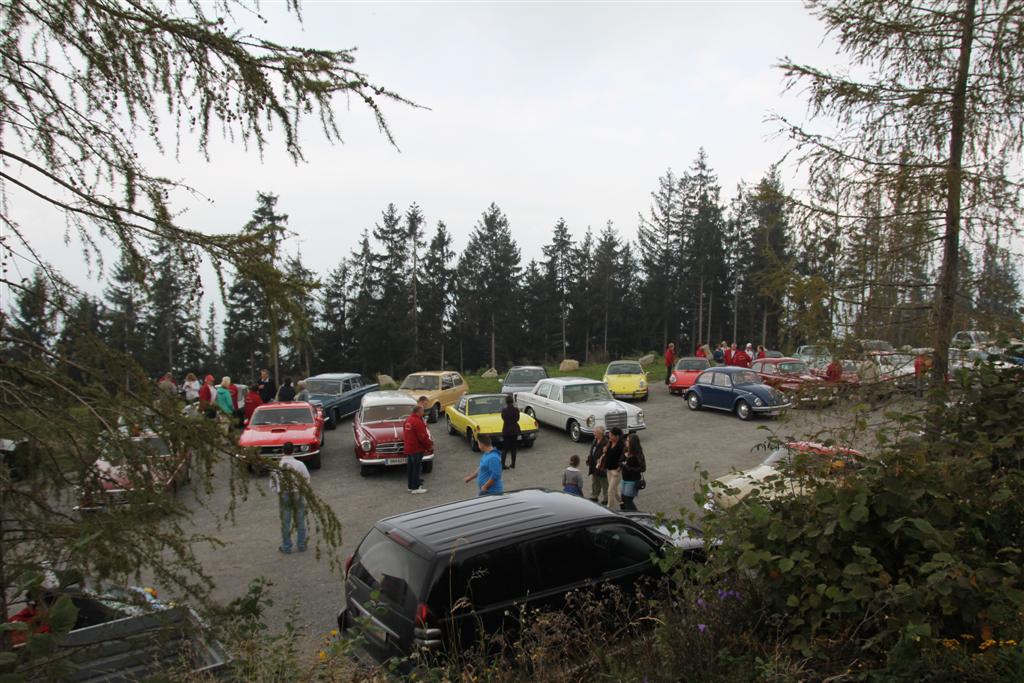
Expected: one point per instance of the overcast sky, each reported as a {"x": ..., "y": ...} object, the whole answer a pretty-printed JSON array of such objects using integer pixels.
[{"x": 548, "y": 109}]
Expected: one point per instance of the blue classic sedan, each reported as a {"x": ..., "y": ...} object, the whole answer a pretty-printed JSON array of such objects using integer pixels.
[
  {"x": 340, "y": 394},
  {"x": 737, "y": 390}
]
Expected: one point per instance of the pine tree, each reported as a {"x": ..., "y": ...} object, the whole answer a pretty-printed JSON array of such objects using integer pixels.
[
  {"x": 999, "y": 293},
  {"x": 705, "y": 276},
  {"x": 33, "y": 321},
  {"x": 366, "y": 298},
  {"x": 660, "y": 242},
  {"x": 607, "y": 286},
  {"x": 80, "y": 341},
  {"x": 173, "y": 343},
  {"x": 332, "y": 334},
  {"x": 581, "y": 282},
  {"x": 414, "y": 235},
  {"x": 435, "y": 298},
  {"x": 393, "y": 322},
  {"x": 297, "y": 330},
  {"x": 560, "y": 262},
  {"x": 126, "y": 309}
]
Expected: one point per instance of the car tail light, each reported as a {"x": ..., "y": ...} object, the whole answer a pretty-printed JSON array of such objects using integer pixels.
[
  {"x": 348, "y": 565},
  {"x": 423, "y": 615}
]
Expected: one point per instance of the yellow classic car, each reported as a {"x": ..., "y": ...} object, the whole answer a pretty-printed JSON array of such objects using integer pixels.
[
  {"x": 481, "y": 414},
  {"x": 626, "y": 379}
]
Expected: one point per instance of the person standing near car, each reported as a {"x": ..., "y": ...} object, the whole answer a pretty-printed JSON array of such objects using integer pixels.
[
  {"x": 488, "y": 473},
  {"x": 612, "y": 461},
  {"x": 509, "y": 432},
  {"x": 286, "y": 393},
  {"x": 190, "y": 388},
  {"x": 291, "y": 504},
  {"x": 207, "y": 395},
  {"x": 268, "y": 387},
  {"x": 633, "y": 468},
  {"x": 670, "y": 361},
  {"x": 740, "y": 358},
  {"x": 252, "y": 402},
  {"x": 417, "y": 442},
  {"x": 598, "y": 477}
]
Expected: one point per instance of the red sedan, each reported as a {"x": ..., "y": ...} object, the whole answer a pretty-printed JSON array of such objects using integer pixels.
[
  {"x": 792, "y": 376},
  {"x": 685, "y": 373},
  {"x": 275, "y": 424},
  {"x": 377, "y": 431}
]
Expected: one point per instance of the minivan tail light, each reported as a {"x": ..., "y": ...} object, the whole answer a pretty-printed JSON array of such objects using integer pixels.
[
  {"x": 423, "y": 615},
  {"x": 348, "y": 565}
]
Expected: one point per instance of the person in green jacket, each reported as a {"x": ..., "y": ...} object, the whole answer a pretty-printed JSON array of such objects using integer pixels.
[{"x": 224, "y": 402}]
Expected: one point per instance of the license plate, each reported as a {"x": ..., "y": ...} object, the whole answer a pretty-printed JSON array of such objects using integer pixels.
[{"x": 395, "y": 461}]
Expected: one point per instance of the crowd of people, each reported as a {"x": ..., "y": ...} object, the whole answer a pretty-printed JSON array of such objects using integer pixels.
[
  {"x": 231, "y": 403},
  {"x": 723, "y": 354}
]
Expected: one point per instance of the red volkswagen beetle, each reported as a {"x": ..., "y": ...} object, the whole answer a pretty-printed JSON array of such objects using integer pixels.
[
  {"x": 274, "y": 424},
  {"x": 377, "y": 431},
  {"x": 685, "y": 373}
]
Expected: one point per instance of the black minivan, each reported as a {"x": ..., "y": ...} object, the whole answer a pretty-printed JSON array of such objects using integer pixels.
[{"x": 445, "y": 573}]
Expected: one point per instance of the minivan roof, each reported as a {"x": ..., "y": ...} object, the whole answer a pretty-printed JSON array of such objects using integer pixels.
[{"x": 444, "y": 528}]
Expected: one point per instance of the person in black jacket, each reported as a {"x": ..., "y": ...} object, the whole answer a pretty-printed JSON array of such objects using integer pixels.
[
  {"x": 613, "y": 464},
  {"x": 598, "y": 478},
  {"x": 287, "y": 392},
  {"x": 509, "y": 432},
  {"x": 268, "y": 387},
  {"x": 633, "y": 467}
]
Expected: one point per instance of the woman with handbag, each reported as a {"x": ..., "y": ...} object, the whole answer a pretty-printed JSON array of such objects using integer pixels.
[{"x": 633, "y": 467}]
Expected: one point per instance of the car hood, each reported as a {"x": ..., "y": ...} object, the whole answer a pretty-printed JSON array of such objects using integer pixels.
[
  {"x": 277, "y": 435},
  {"x": 324, "y": 399},
  {"x": 383, "y": 432},
  {"x": 602, "y": 407},
  {"x": 491, "y": 423},
  {"x": 624, "y": 382},
  {"x": 114, "y": 476},
  {"x": 762, "y": 391},
  {"x": 745, "y": 481}
]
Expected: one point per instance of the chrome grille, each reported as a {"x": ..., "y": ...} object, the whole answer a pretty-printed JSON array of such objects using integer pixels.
[
  {"x": 271, "y": 450},
  {"x": 390, "y": 447},
  {"x": 615, "y": 419}
]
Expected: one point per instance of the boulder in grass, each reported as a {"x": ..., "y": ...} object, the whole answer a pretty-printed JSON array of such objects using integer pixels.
[
  {"x": 648, "y": 359},
  {"x": 490, "y": 374},
  {"x": 568, "y": 365},
  {"x": 387, "y": 382}
]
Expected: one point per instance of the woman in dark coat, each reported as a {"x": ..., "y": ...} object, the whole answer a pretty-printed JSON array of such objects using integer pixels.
[{"x": 633, "y": 467}]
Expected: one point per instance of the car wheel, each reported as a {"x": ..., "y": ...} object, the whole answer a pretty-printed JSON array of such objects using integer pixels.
[
  {"x": 472, "y": 441},
  {"x": 451, "y": 427},
  {"x": 332, "y": 422},
  {"x": 575, "y": 433},
  {"x": 529, "y": 411},
  {"x": 314, "y": 462},
  {"x": 428, "y": 467},
  {"x": 364, "y": 471},
  {"x": 743, "y": 411},
  {"x": 528, "y": 443},
  {"x": 693, "y": 400},
  {"x": 435, "y": 411}
]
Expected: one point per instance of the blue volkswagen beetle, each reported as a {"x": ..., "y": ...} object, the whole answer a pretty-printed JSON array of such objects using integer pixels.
[
  {"x": 737, "y": 390},
  {"x": 339, "y": 393}
]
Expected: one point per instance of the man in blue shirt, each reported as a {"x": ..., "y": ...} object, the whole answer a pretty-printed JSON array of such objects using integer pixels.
[{"x": 488, "y": 474}]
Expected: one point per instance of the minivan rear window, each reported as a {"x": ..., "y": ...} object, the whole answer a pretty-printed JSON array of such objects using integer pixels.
[{"x": 385, "y": 565}]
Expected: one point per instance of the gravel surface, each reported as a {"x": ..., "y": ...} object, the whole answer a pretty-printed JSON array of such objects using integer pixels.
[{"x": 675, "y": 441}]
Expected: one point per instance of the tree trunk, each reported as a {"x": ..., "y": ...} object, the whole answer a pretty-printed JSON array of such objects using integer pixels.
[
  {"x": 735, "y": 313},
  {"x": 606, "y": 328},
  {"x": 700, "y": 314},
  {"x": 946, "y": 294},
  {"x": 711, "y": 301},
  {"x": 493, "y": 336}
]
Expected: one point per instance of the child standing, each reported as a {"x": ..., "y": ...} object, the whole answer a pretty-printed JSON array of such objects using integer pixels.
[{"x": 572, "y": 478}]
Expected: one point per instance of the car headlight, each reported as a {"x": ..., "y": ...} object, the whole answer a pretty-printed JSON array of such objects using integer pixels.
[
  {"x": 640, "y": 416},
  {"x": 674, "y": 378},
  {"x": 643, "y": 384},
  {"x": 591, "y": 421},
  {"x": 758, "y": 402},
  {"x": 366, "y": 445},
  {"x": 304, "y": 448}
]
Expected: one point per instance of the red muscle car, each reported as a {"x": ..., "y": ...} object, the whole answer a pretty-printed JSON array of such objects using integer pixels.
[
  {"x": 685, "y": 373},
  {"x": 274, "y": 424},
  {"x": 110, "y": 483},
  {"x": 792, "y": 376},
  {"x": 377, "y": 431}
]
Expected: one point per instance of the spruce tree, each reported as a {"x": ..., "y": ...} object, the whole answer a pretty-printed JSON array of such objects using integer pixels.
[
  {"x": 560, "y": 262},
  {"x": 332, "y": 334},
  {"x": 435, "y": 299},
  {"x": 126, "y": 309},
  {"x": 660, "y": 242},
  {"x": 33, "y": 324}
]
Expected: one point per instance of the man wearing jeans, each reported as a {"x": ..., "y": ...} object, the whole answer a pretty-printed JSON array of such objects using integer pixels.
[
  {"x": 290, "y": 501},
  {"x": 416, "y": 442}
]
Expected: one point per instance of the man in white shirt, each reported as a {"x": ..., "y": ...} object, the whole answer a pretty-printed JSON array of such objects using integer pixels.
[{"x": 290, "y": 501}]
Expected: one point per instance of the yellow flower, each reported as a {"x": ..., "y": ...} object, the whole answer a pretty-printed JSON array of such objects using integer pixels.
[
  {"x": 986, "y": 644},
  {"x": 322, "y": 655},
  {"x": 950, "y": 643},
  {"x": 334, "y": 632}
]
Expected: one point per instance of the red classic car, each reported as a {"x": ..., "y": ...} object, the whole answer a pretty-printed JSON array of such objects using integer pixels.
[
  {"x": 792, "y": 376},
  {"x": 685, "y": 372},
  {"x": 274, "y": 424},
  {"x": 377, "y": 431},
  {"x": 110, "y": 483}
]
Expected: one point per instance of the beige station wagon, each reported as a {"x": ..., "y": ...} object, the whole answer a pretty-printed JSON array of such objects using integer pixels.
[{"x": 441, "y": 387}]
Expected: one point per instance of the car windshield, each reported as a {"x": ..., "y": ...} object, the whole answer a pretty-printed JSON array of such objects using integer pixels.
[
  {"x": 386, "y": 413},
  {"x": 425, "y": 382},
  {"x": 849, "y": 365},
  {"x": 625, "y": 369},
  {"x": 486, "y": 405},
  {"x": 693, "y": 364},
  {"x": 282, "y": 416},
  {"x": 577, "y": 393},
  {"x": 746, "y": 377},
  {"x": 323, "y": 386},
  {"x": 793, "y": 366},
  {"x": 525, "y": 376}
]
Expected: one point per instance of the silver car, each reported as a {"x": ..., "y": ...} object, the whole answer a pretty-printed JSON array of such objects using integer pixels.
[{"x": 577, "y": 405}]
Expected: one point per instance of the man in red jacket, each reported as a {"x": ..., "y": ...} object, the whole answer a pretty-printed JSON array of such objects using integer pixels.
[
  {"x": 729, "y": 353},
  {"x": 670, "y": 361},
  {"x": 741, "y": 359},
  {"x": 417, "y": 443}
]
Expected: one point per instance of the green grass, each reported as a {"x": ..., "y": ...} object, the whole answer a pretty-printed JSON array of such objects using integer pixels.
[{"x": 482, "y": 385}]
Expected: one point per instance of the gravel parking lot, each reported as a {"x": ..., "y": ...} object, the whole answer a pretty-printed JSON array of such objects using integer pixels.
[{"x": 674, "y": 442}]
